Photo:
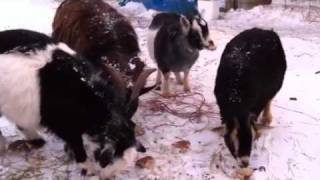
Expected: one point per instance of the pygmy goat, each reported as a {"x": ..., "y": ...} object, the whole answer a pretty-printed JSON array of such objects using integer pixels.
[
  {"x": 174, "y": 42},
  {"x": 250, "y": 73},
  {"x": 99, "y": 32},
  {"x": 44, "y": 83}
]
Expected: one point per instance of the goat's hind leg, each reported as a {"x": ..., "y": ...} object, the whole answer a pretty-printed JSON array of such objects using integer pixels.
[
  {"x": 178, "y": 78},
  {"x": 186, "y": 84},
  {"x": 267, "y": 115},
  {"x": 158, "y": 80},
  {"x": 166, "y": 88},
  {"x": 2, "y": 144}
]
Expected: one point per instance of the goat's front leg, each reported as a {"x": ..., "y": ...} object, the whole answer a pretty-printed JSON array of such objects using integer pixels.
[
  {"x": 186, "y": 85},
  {"x": 178, "y": 78},
  {"x": 76, "y": 145},
  {"x": 267, "y": 116},
  {"x": 166, "y": 90},
  {"x": 33, "y": 140}
]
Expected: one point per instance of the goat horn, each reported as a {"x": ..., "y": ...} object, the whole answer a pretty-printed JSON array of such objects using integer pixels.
[
  {"x": 117, "y": 81},
  {"x": 140, "y": 83}
]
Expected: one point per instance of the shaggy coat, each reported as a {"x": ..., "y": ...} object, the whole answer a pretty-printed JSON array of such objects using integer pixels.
[
  {"x": 99, "y": 32},
  {"x": 250, "y": 73}
]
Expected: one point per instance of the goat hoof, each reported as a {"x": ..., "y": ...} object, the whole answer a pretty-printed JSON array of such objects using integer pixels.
[
  {"x": 258, "y": 135},
  {"x": 86, "y": 172},
  {"x": 187, "y": 90},
  {"x": 266, "y": 121},
  {"x": 167, "y": 95},
  {"x": 25, "y": 145},
  {"x": 19, "y": 146},
  {"x": 179, "y": 82},
  {"x": 87, "y": 168},
  {"x": 36, "y": 143}
]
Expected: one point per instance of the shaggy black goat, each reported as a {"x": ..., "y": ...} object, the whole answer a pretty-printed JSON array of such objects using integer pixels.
[
  {"x": 44, "y": 83},
  {"x": 250, "y": 73}
]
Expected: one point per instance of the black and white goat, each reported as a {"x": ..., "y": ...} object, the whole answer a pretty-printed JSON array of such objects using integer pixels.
[
  {"x": 44, "y": 83},
  {"x": 250, "y": 73},
  {"x": 174, "y": 42}
]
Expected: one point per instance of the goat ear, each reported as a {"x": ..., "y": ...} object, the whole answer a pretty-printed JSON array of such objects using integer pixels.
[{"x": 185, "y": 24}]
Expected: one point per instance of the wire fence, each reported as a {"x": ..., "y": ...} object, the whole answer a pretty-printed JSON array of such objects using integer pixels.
[
  {"x": 309, "y": 8},
  {"x": 297, "y": 3}
]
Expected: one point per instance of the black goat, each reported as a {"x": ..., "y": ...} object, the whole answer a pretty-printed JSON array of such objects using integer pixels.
[
  {"x": 174, "y": 42},
  {"x": 44, "y": 83},
  {"x": 250, "y": 73}
]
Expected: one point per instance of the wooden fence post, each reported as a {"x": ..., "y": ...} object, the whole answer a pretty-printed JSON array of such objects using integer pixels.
[{"x": 245, "y": 4}]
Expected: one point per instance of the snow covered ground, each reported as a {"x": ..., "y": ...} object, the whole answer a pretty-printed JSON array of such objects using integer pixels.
[{"x": 289, "y": 150}]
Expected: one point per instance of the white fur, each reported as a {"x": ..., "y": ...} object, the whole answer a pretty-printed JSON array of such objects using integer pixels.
[
  {"x": 19, "y": 87},
  {"x": 150, "y": 42},
  {"x": 204, "y": 40},
  {"x": 129, "y": 156},
  {"x": 90, "y": 145}
]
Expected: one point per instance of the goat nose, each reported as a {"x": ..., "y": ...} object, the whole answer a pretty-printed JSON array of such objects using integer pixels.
[
  {"x": 244, "y": 163},
  {"x": 211, "y": 45}
]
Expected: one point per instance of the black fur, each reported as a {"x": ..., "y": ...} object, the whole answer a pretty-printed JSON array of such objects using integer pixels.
[
  {"x": 23, "y": 41},
  {"x": 250, "y": 73}
]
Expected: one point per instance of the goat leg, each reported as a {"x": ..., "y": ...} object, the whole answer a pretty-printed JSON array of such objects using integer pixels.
[
  {"x": 166, "y": 91},
  {"x": 87, "y": 167},
  {"x": 178, "y": 78},
  {"x": 186, "y": 85},
  {"x": 267, "y": 116}
]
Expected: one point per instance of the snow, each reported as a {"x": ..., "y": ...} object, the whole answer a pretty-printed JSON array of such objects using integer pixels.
[{"x": 289, "y": 149}]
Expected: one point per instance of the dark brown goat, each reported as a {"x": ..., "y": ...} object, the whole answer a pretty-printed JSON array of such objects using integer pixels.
[{"x": 99, "y": 32}]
